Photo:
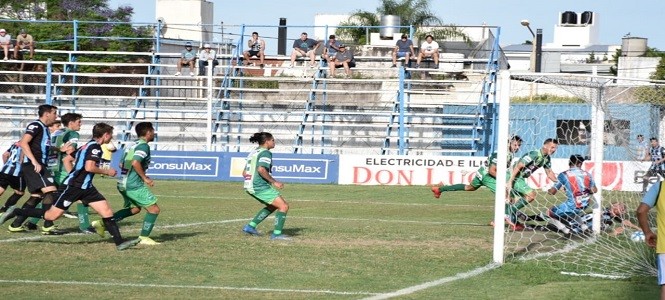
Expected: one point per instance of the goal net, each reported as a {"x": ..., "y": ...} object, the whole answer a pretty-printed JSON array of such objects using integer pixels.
[{"x": 600, "y": 119}]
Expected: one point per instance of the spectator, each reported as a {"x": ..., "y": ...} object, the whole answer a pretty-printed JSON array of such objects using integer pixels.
[
  {"x": 207, "y": 55},
  {"x": 343, "y": 58},
  {"x": 331, "y": 49},
  {"x": 403, "y": 48},
  {"x": 304, "y": 47},
  {"x": 642, "y": 148},
  {"x": 256, "y": 47},
  {"x": 5, "y": 42},
  {"x": 187, "y": 58},
  {"x": 429, "y": 48},
  {"x": 24, "y": 41}
]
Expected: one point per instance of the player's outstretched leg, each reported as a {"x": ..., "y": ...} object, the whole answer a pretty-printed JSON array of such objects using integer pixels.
[{"x": 250, "y": 228}]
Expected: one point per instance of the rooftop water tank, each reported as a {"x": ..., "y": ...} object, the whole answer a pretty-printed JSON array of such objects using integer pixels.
[
  {"x": 569, "y": 18},
  {"x": 587, "y": 18},
  {"x": 388, "y": 21},
  {"x": 633, "y": 46}
]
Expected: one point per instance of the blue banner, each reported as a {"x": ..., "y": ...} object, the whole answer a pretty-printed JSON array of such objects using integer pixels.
[{"x": 224, "y": 166}]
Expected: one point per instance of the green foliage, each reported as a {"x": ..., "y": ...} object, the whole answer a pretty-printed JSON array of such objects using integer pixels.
[
  {"x": 650, "y": 94},
  {"x": 258, "y": 84},
  {"x": 592, "y": 58},
  {"x": 100, "y": 28},
  {"x": 546, "y": 98},
  {"x": 614, "y": 69}
]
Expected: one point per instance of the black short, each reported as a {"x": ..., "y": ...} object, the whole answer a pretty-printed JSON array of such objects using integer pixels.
[
  {"x": 16, "y": 182},
  {"x": 69, "y": 194},
  {"x": 253, "y": 53},
  {"x": 351, "y": 65},
  {"x": 36, "y": 181}
]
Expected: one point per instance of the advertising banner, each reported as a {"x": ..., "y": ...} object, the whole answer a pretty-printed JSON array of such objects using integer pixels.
[{"x": 437, "y": 170}]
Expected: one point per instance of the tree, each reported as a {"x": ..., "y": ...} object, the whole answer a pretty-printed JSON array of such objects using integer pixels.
[
  {"x": 416, "y": 13},
  {"x": 98, "y": 30}
]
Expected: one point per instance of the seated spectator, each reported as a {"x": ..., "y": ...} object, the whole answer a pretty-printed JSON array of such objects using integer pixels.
[
  {"x": 207, "y": 55},
  {"x": 304, "y": 47},
  {"x": 256, "y": 47},
  {"x": 187, "y": 58},
  {"x": 331, "y": 49},
  {"x": 429, "y": 48},
  {"x": 24, "y": 41},
  {"x": 5, "y": 42},
  {"x": 343, "y": 58},
  {"x": 403, "y": 48}
]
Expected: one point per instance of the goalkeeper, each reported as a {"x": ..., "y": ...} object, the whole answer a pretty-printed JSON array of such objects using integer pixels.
[{"x": 579, "y": 186}]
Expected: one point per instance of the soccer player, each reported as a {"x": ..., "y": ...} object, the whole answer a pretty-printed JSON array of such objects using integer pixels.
[
  {"x": 528, "y": 164},
  {"x": 35, "y": 146},
  {"x": 579, "y": 186},
  {"x": 263, "y": 187},
  {"x": 78, "y": 186},
  {"x": 656, "y": 155},
  {"x": 134, "y": 183},
  {"x": 654, "y": 198},
  {"x": 11, "y": 175},
  {"x": 485, "y": 176},
  {"x": 65, "y": 142}
]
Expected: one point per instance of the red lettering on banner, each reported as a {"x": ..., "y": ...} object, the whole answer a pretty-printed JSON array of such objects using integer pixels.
[
  {"x": 363, "y": 175},
  {"x": 612, "y": 174}
]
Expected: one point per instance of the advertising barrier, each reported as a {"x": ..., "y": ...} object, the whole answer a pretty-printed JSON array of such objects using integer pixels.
[
  {"x": 437, "y": 170},
  {"x": 223, "y": 166}
]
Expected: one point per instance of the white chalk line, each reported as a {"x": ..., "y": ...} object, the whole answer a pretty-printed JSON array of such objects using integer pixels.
[
  {"x": 426, "y": 285},
  {"x": 202, "y": 287}
]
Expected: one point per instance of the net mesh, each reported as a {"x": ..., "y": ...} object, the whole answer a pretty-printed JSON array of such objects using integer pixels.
[{"x": 562, "y": 107}]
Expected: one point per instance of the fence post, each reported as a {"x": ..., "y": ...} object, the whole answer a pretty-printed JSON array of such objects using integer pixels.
[{"x": 49, "y": 70}]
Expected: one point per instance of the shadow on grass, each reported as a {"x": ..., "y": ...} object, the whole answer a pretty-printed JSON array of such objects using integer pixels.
[
  {"x": 166, "y": 237},
  {"x": 292, "y": 231}
]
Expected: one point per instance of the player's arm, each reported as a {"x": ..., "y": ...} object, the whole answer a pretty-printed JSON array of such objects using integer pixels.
[
  {"x": 138, "y": 168},
  {"x": 91, "y": 167},
  {"x": 5, "y": 156},
  {"x": 263, "y": 171},
  {"x": 25, "y": 149},
  {"x": 516, "y": 170},
  {"x": 68, "y": 162},
  {"x": 551, "y": 175},
  {"x": 643, "y": 220}
]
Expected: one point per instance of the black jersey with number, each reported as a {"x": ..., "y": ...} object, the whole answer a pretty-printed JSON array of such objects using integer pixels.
[
  {"x": 40, "y": 143},
  {"x": 79, "y": 177},
  {"x": 13, "y": 164}
]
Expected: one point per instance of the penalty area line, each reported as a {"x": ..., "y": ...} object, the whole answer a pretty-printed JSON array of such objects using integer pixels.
[{"x": 202, "y": 287}]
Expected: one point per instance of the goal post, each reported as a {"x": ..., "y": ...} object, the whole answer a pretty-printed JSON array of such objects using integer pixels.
[{"x": 598, "y": 118}]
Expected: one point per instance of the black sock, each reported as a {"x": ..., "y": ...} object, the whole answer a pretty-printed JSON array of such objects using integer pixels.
[
  {"x": 113, "y": 229},
  {"x": 46, "y": 207},
  {"x": 20, "y": 218},
  {"x": 12, "y": 200}
]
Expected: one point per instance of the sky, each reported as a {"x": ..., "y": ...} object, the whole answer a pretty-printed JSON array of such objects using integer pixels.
[{"x": 615, "y": 18}]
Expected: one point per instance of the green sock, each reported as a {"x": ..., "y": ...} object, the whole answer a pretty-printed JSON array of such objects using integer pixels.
[
  {"x": 35, "y": 220},
  {"x": 454, "y": 187},
  {"x": 260, "y": 216},
  {"x": 280, "y": 218},
  {"x": 123, "y": 213},
  {"x": 84, "y": 218},
  {"x": 148, "y": 224},
  {"x": 521, "y": 203}
]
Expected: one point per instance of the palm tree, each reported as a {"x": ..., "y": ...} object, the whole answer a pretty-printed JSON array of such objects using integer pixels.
[{"x": 411, "y": 12}]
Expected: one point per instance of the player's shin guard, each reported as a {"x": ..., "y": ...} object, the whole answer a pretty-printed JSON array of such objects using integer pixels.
[
  {"x": 112, "y": 228},
  {"x": 260, "y": 216},
  {"x": 454, "y": 187},
  {"x": 12, "y": 200},
  {"x": 148, "y": 224},
  {"x": 280, "y": 219},
  {"x": 30, "y": 204},
  {"x": 84, "y": 218}
]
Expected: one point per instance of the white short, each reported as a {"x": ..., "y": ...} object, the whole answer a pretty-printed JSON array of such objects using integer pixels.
[{"x": 660, "y": 265}]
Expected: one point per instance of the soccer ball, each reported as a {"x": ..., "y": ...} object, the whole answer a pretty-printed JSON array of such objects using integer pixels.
[{"x": 637, "y": 236}]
